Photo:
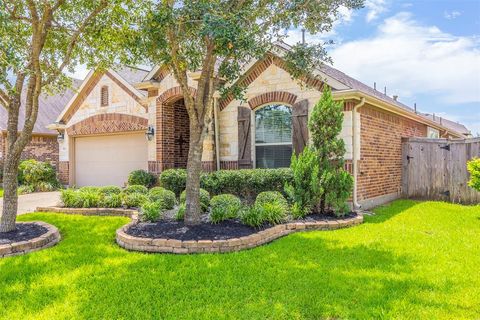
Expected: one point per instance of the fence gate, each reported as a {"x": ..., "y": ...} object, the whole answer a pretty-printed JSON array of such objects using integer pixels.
[{"x": 436, "y": 169}]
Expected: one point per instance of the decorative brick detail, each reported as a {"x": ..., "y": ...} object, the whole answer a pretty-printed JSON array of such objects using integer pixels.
[
  {"x": 258, "y": 68},
  {"x": 117, "y": 212},
  {"x": 174, "y": 93},
  {"x": 46, "y": 240},
  {"x": 129, "y": 242},
  {"x": 64, "y": 172},
  {"x": 273, "y": 96},
  {"x": 380, "y": 165},
  {"x": 108, "y": 123},
  {"x": 228, "y": 165}
]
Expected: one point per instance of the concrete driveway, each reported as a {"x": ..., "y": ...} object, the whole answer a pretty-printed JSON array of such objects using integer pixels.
[{"x": 29, "y": 202}]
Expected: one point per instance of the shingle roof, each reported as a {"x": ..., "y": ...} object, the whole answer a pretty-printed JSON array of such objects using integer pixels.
[
  {"x": 132, "y": 75},
  {"x": 458, "y": 127},
  {"x": 50, "y": 106}
]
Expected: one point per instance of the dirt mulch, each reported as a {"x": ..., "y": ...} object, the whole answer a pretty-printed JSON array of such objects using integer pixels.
[{"x": 24, "y": 232}]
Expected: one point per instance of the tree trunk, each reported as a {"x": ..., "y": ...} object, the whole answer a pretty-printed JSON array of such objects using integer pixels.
[
  {"x": 194, "y": 167},
  {"x": 10, "y": 199}
]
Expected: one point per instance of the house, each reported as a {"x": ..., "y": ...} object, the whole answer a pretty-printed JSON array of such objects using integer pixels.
[
  {"x": 43, "y": 145},
  {"x": 127, "y": 118}
]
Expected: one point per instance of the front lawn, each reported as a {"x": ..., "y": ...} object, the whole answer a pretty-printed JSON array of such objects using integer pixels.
[{"x": 410, "y": 261}]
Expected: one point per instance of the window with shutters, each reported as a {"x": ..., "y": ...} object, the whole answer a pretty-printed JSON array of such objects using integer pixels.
[
  {"x": 104, "y": 96},
  {"x": 273, "y": 136}
]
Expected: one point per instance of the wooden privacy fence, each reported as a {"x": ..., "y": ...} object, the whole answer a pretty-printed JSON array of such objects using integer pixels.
[{"x": 436, "y": 169}]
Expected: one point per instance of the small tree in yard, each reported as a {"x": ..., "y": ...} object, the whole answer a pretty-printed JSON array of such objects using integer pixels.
[
  {"x": 39, "y": 40},
  {"x": 325, "y": 125},
  {"x": 474, "y": 169},
  {"x": 201, "y": 35}
]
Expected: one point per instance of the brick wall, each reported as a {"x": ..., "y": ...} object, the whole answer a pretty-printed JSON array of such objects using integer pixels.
[{"x": 380, "y": 168}]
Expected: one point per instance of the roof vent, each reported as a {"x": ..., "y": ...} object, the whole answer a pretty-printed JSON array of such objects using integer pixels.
[{"x": 395, "y": 97}]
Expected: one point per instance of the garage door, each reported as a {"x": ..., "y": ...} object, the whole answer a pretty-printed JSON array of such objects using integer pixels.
[{"x": 107, "y": 160}]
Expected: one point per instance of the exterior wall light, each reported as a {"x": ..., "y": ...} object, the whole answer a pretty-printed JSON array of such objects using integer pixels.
[
  {"x": 60, "y": 136},
  {"x": 150, "y": 133}
]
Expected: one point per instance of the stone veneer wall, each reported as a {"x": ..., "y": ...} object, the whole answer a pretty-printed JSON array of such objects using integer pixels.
[{"x": 380, "y": 168}]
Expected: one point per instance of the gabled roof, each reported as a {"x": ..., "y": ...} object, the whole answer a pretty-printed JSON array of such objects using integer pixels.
[
  {"x": 124, "y": 76},
  {"x": 448, "y": 123},
  {"x": 50, "y": 106}
]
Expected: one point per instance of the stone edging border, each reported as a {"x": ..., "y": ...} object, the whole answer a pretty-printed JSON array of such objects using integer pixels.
[
  {"x": 91, "y": 211},
  {"x": 132, "y": 243},
  {"x": 46, "y": 240}
]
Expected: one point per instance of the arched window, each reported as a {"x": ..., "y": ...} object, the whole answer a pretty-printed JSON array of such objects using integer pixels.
[
  {"x": 273, "y": 136},
  {"x": 104, "y": 96}
]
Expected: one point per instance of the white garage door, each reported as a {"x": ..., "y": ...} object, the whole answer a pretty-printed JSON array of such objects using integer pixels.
[{"x": 107, "y": 160}]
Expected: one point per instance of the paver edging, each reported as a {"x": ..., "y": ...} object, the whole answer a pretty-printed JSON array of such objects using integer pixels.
[
  {"x": 160, "y": 245},
  {"x": 46, "y": 240}
]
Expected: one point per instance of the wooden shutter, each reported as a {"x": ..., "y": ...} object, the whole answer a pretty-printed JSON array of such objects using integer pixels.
[
  {"x": 300, "y": 126},
  {"x": 244, "y": 138}
]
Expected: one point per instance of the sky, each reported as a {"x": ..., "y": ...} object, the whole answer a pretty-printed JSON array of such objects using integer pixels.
[{"x": 426, "y": 52}]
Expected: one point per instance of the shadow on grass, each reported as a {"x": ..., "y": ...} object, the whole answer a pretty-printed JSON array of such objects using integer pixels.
[
  {"x": 87, "y": 276},
  {"x": 390, "y": 210}
]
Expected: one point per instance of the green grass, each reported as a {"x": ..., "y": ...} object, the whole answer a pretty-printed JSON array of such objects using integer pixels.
[
  {"x": 1, "y": 192},
  {"x": 410, "y": 261}
]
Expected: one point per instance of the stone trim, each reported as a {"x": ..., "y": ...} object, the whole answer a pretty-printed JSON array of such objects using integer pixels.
[
  {"x": 119, "y": 212},
  {"x": 46, "y": 240},
  {"x": 273, "y": 96},
  {"x": 108, "y": 123},
  {"x": 129, "y": 242}
]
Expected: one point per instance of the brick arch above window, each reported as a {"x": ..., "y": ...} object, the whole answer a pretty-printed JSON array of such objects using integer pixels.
[
  {"x": 175, "y": 92},
  {"x": 108, "y": 123},
  {"x": 272, "y": 96}
]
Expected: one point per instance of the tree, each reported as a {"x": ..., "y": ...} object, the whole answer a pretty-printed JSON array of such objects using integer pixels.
[
  {"x": 325, "y": 125},
  {"x": 39, "y": 40},
  {"x": 473, "y": 167},
  {"x": 217, "y": 38}
]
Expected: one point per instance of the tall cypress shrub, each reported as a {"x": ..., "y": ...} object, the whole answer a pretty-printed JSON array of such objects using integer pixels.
[{"x": 325, "y": 125}]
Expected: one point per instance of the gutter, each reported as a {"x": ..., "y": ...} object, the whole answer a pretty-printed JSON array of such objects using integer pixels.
[{"x": 355, "y": 155}]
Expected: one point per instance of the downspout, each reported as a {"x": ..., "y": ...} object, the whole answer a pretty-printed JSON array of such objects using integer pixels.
[
  {"x": 355, "y": 154},
  {"x": 216, "y": 132}
]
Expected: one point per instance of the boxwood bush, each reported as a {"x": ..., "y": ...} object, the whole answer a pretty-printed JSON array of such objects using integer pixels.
[
  {"x": 270, "y": 208},
  {"x": 245, "y": 184},
  {"x": 135, "y": 189},
  {"x": 143, "y": 178},
  {"x": 151, "y": 211},
  {"x": 204, "y": 198},
  {"x": 223, "y": 207},
  {"x": 111, "y": 200},
  {"x": 107, "y": 190},
  {"x": 165, "y": 197},
  {"x": 271, "y": 196},
  {"x": 134, "y": 200}
]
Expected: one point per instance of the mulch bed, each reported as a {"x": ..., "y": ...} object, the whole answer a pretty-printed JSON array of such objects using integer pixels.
[
  {"x": 169, "y": 229},
  {"x": 24, "y": 232}
]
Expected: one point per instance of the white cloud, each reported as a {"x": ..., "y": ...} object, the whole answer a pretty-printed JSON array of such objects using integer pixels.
[
  {"x": 450, "y": 15},
  {"x": 375, "y": 7},
  {"x": 413, "y": 59}
]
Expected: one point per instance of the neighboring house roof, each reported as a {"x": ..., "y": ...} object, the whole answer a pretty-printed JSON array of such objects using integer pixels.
[
  {"x": 50, "y": 106},
  {"x": 132, "y": 75},
  {"x": 456, "y": 126}
]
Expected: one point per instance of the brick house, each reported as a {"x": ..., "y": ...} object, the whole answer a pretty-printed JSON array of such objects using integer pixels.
[
  {"x": 104, "y": 126},
  {"x": 43, "y": 145}
]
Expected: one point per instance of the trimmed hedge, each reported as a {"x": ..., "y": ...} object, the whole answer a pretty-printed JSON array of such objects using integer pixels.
[
  {"x": 223, "y": 207},
  {"x": 142, "y": 177},
  {"x": 165, "y": 197},
  {"x": 135, "y": 189},
  {"x": 246, "y": 183}
]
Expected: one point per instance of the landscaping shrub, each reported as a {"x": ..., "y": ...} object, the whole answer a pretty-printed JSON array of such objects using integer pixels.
[
  {"x": 150, "y": 211},
  {"x": 274, "y": 212},
  {"x": 474, "y": 169},
  {"x": 204, "y": 198},
  {"x": 25, "y": 189},
  {"x": 243, "y": 183},
  {"x": 252, "y": 216},
  {"x": 111, "y": 200},
  {"x": 271, "y": 197},
  {"x": 40, "y": 175},
  {"x": 142, "y": 177},
  {"x": 135, "y": 189},
  {"x": 134, "y": 200},
  {"x": 71, "y": 198},
  {"x": 174, "y": 180},
  {"x": 305, "y": 190},
  {"x": 89, "y": 189},
  {"x": 89, "y": 198},
  {"x": 107, "y": 190},
  {"x": 165, "y": 197},
  {"x": 180, "y": 215},
  {"x": 224, "y": 206}
]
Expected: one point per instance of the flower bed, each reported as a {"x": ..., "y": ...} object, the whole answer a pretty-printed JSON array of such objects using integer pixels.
[
  {"x": 182, "y": 240},
  {"x": 29, "y": 236}
]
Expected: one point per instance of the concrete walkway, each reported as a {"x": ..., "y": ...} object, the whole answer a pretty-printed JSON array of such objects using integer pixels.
[{"x": 29, "y": 202}]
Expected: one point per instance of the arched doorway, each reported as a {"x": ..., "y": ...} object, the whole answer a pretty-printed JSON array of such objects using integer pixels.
[{"x": 181, "y": 133}]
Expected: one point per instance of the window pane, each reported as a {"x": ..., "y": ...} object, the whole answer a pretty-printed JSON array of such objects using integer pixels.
[
  {"x": 273, "y": 156},
  {"x": 273, "y": 124}
]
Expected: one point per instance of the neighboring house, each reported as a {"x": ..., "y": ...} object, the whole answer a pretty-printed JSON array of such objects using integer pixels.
[
  {"x": 106, "y": 122},
  {"x": 43, "y": 146}
]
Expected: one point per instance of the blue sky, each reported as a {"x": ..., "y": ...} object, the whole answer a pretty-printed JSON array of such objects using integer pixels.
[{"x": 426, "y": 52}]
